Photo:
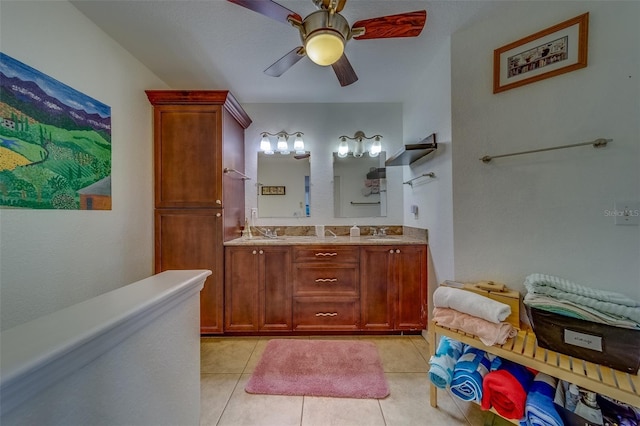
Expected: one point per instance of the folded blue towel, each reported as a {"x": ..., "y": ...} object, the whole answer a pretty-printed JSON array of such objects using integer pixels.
[
  {"x": 469, "y": 371},
  {"x": 540, "y": 409},
  {"x": 444, "y": 361}
]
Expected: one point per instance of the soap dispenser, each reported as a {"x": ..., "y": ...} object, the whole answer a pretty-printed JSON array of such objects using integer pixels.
[{"x": 354, "y": 231}]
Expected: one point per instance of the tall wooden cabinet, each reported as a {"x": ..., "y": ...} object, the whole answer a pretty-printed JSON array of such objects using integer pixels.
[{"x": 197, "y": 135}]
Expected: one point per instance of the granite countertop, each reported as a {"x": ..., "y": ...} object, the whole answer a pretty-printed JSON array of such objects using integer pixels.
[{"x": 340, "y": 240}]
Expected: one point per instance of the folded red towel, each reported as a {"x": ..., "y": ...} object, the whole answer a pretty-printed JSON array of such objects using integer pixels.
[{"x": 506, "y": 390}]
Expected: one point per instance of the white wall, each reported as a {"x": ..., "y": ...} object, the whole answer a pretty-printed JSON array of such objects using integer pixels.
[
  {"x": 545, "y": 212},
  {"x": 53, "y": 259},
  {"x": 322, "y": 124}
]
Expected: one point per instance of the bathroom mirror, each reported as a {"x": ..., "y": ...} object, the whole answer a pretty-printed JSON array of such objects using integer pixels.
[
  {"x": 283, "y": 185},
  {"x": 359, "y": 186}
]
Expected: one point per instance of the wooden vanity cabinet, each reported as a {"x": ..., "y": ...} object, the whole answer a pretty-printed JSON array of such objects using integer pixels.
[
  {"x": 257, "y": 289},
  {"x": 326, "y": 289},
  {"x": 197, "y": 135},
  {"x": 393, "y": 287}
]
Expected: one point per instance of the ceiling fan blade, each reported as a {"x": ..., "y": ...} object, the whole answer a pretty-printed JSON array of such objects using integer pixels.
[
  {"x": 287, "y": 61},
  {"x": 408, "y": 24},
  {"x": 344, "y": 71},
  {"x": 268, "y": 8}
]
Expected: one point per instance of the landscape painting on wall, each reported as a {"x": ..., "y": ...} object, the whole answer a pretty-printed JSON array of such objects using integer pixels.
[{"x": 55, "y": 143}]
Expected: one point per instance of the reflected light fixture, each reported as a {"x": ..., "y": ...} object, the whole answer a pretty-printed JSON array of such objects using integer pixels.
[
  {"x": 282, "y": 145},
  {"x": 358, "y": 150}
]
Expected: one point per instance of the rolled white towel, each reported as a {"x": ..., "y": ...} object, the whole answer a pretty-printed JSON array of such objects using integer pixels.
[{"x": 471, "y": 303}]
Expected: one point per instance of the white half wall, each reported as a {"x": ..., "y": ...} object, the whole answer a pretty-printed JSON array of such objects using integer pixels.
[
  {"x": 547, "y": 212},
  {"x": 53, "y": 259}
]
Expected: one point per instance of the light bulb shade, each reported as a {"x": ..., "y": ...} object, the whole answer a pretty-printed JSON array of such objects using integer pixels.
[
  {"x": 282, "y": 147},
  {"x": 298, "y": 144},
  {"x": 358, "y": 150},
  {"x": 265, "y": 145},
  {"x": 343, "y": 149},
  {"x": 376, "y": 148},
  {"x": 324, "y": 47}
]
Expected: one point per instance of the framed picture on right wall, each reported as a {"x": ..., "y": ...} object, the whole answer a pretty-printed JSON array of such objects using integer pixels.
[{"x": 553, "y": 51}]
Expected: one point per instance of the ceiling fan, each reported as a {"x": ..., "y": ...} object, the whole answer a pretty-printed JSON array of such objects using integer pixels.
[{"x": 325, "y": 32}]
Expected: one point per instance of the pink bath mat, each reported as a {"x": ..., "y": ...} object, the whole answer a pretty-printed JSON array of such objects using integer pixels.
[{"x": 335, "y": 368}]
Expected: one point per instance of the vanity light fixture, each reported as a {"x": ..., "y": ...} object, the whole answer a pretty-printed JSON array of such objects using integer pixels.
[
  {"x": 358, "y": 150},
  {"x": 282, "y": 145}
]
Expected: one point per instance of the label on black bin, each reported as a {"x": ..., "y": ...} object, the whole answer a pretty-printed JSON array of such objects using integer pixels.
[{"x": 587, "y": 341}]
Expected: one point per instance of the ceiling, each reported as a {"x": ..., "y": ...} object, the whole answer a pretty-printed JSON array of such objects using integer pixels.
[{"x": 215, "y": 44}]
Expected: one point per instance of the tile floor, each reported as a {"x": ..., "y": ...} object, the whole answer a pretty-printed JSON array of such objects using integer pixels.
[{"x": 227, "y": 363}]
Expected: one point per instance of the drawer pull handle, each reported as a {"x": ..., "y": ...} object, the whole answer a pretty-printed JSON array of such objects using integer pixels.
[
  {"x": 326, "y": 280},
  {"x": 327, "y": 314},
  {"x": 326, "y": 254}
]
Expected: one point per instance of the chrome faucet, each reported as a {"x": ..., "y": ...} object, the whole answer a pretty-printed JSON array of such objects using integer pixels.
[
  {"x": 374, "y": 233},
  {"x": 331, "y": 232},
  {"x": 383, "y": 232},
  {"x": 268, "y": 232}
]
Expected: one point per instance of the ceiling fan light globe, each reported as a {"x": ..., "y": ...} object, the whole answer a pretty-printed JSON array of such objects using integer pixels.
[{"x": 324, "y": 47}]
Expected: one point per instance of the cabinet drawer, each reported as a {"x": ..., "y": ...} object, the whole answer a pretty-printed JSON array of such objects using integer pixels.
[
  {"x": 335, "y": 254},
  {"x": 325, "y": 280},
  {"x": 312, "y": 313}
]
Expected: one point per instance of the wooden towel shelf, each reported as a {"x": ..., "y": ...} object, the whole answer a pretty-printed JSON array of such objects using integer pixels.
[{"x": 523, "y": 349}]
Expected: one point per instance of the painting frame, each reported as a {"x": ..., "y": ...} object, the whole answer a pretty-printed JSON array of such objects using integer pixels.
[
  {"x": 273, "y": 190},
  {"x": 556, "y": 50}
]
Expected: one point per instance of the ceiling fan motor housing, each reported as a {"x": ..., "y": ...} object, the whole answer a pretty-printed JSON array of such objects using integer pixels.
[{"x": 323, "y": 26}]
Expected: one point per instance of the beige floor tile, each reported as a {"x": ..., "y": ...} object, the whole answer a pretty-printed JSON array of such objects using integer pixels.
[
  {"x": 226, "y": 355},
  {"x": 244, "y": 409},
  {"x": 215, "y": 391},
  {"x": 471, "y": 411},
  {"x": 399, "y": 354},
  {"x": 341, "y": 412},
  {"x": 422, "y": 345},
  {"x": 408, "y": 403}
]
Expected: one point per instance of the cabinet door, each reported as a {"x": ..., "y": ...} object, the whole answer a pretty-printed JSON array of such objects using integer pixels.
[
  {"x": 241, "y": 288},
  {"x": 275, "y": 289},
  {"x": 410, "y": 264},
  {"x": 191, "y": 239},
  {"x": 377, "y": 288},
  {"x": 188, "y": 156}
]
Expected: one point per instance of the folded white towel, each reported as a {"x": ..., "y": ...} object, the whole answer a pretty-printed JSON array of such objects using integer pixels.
[{"x": 471, "y": 303}]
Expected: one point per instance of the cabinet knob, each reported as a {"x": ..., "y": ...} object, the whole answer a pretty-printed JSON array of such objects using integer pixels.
[
  {"x": 261, "y": 252},
  {"x": 391, "y": 251},
  {"x": 218, "y": 214},
  {"x": 218, "y": 201},
  {"x": 397, "y": 250},
  {"x": 254, "y": 252}
]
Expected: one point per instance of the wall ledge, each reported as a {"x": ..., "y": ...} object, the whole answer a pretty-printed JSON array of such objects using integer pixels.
[{"x": 36, "y": 354}]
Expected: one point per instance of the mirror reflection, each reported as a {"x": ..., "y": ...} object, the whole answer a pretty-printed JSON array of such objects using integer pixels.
[
  {"x": 359, "y": 186},
  {"x": 283, "y": 185}
]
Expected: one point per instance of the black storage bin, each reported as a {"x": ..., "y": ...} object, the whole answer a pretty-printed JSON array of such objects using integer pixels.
[{"x": 614, "y": 347}]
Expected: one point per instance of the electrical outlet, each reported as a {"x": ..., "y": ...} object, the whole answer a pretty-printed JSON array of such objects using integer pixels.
[
  {"x": 627, "y": 213},
  {"x": 254, "y": 212}
]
